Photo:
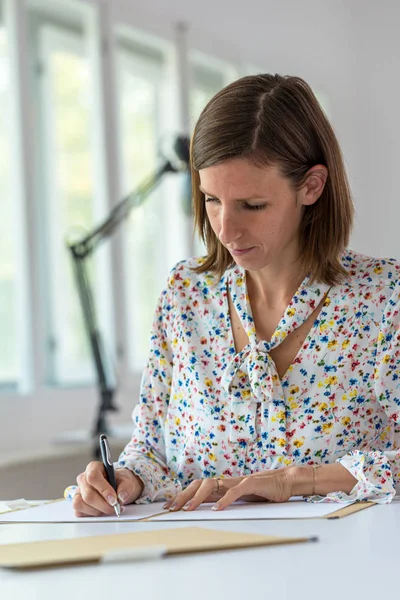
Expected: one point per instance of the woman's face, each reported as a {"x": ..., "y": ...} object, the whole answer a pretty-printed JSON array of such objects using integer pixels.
[{"x": 254, "y": 212}]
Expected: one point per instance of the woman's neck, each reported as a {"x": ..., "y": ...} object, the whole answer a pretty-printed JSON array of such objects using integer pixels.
[{"x": 273, "y": 288}]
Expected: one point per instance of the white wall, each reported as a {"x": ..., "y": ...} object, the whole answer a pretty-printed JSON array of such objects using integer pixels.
[
  {"x": 349, "y": 51},
  {"x": 376, "y": 127}
]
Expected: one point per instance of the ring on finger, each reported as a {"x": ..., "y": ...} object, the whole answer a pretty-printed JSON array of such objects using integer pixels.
[{"x": 219, "y": 483}]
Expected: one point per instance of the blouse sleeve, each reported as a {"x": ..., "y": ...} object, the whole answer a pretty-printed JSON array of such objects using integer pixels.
[
  {"x": 378, "y": 473},
  {"x": 145, "y": 455}
]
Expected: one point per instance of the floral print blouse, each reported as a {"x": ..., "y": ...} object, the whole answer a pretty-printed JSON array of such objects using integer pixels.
[{"x": 208, "y": 411}]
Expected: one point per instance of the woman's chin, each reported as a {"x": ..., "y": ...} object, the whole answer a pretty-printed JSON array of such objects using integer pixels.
[{"x": 250, "y": 264}]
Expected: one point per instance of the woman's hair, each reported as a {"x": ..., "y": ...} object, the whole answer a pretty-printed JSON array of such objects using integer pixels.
[{"x": 276, "y": 120}]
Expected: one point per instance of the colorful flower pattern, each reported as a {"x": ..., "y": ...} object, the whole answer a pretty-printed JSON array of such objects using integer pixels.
[{"x": 206, "y": 410}]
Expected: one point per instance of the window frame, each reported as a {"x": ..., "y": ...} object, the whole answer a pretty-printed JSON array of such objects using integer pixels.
[
  {"x": 51, "y": 34},
  {"x": 147, "y": 63}
]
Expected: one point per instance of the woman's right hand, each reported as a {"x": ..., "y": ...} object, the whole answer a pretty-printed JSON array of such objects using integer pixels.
[{"x": 95, "y": 496}]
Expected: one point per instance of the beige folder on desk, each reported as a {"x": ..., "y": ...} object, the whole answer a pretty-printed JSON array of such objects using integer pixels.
[
  {"x": 97, "y": 549},
  {"x": 349, "y": 510}
]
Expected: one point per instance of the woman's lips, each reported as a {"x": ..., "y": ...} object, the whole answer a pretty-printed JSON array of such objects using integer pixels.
[{"x": 241, "y": 252}]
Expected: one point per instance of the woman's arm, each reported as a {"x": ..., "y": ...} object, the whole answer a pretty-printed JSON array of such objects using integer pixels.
[
  {"x": 375, "y": 473},
  {"x": 307, "y": 481}
]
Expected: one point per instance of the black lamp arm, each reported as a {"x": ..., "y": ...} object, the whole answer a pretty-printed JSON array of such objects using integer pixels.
[
  {"x": 80, "y": 250},
  {"x": 85, "y": 246}
]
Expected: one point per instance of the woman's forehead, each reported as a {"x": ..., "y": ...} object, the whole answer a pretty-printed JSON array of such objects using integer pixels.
[{"x": 240, "y": 179}]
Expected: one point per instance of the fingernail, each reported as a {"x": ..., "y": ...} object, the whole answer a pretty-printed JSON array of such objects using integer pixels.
[
  {"x": 173, "y": 506},
  {"x": 215, "y": 507},
  {"x": 112, "y": 501},
  {"x": 122, "y": 496},
  {"x": 187, "y": 506},
  {"x": 166, "y": 505}
]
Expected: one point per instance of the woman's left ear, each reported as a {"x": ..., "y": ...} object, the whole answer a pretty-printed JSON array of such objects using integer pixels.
[{"x": 314, "y": 184}]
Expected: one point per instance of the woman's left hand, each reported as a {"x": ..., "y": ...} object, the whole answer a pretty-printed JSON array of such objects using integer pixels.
[{"x": 274, "y": 486}]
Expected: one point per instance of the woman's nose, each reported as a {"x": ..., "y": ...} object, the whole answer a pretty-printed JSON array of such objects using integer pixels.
[{"x": 230, "y": 229}]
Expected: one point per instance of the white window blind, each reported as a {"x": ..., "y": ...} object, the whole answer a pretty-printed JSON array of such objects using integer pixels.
[
  {"x": 70, "y": 206},
  {"x": 140, "y": 88}
]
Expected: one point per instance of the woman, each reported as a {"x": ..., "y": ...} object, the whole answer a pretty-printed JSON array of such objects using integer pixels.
[{"x": 274, "y": 366}]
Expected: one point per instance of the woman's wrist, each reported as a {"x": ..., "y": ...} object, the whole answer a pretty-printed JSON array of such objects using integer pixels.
[
  {"x": 300, "y": 480},
  {"x": 306, "y": 481}
]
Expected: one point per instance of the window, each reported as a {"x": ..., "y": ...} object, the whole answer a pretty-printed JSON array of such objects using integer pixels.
[
  {"x": 9, "y": 363},
  {"x": 206, "y": 83},
  {"x": 70, "y": 207},
  {"x": 140, "y": 86}
]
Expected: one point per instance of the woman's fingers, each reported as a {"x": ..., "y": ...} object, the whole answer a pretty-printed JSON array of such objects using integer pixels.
[
  {"x": 199, "y": 491},
  {"x": 96, "y": 478},
  {"x": 204, "y": 493},
  {"x": 129, "y": 486},
  {"x": 271, "y": 486},
  {"x": 256, "y": 488},
  {"x": 92, "y": 497},
  {"x": 183, "y": 497},
  {"x": 82, "y": 509},
  {"x": 247, "y": 487},
  {"x": 96, "y": 496}
]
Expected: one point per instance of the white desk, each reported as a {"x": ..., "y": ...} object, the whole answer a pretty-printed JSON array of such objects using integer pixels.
[{"x": 356, "y": 557}]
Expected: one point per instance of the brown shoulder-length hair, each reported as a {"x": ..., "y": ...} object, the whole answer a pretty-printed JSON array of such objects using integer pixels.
[{"x": 276, "y": 120}]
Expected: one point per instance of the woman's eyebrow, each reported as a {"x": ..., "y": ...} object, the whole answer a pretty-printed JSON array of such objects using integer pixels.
[{"x": 236, "y": 200}]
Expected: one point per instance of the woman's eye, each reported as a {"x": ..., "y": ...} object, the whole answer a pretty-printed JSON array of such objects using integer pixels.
[
  {"x": 246, "y": 206},
  {"x": 254, "y": 206}
]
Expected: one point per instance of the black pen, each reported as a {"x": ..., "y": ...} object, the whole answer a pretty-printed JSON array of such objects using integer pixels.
[{"x": 109, "y": 468}]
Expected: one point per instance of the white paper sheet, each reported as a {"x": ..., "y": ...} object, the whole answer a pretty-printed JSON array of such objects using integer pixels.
[
  {"x": 62, "y": 512},
  {"x": 296, "y": 508}
]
